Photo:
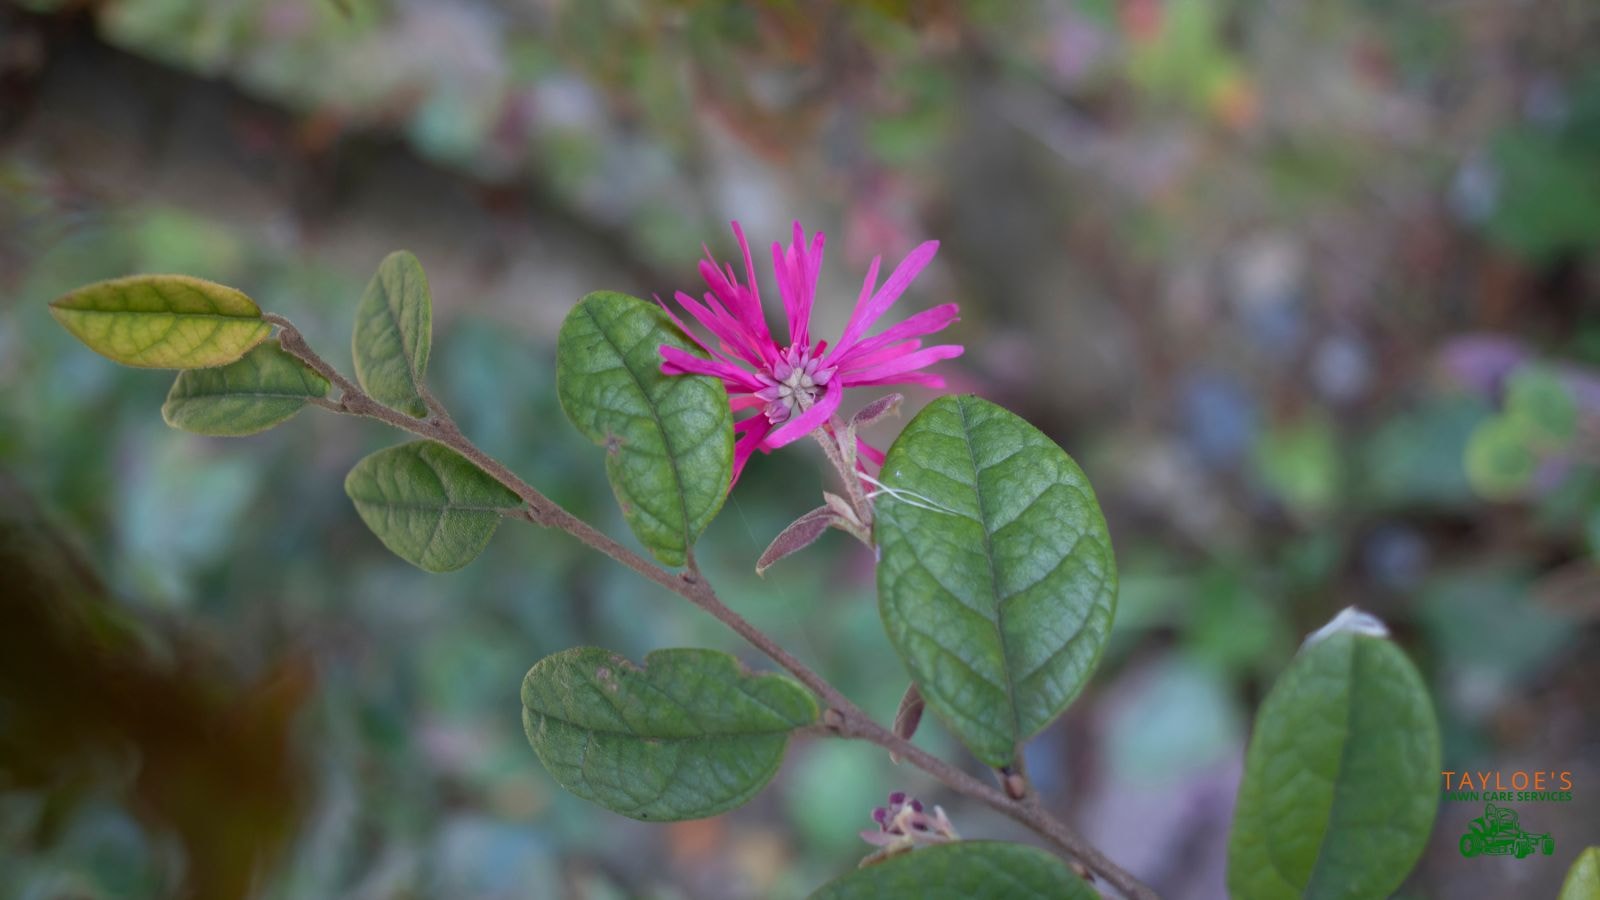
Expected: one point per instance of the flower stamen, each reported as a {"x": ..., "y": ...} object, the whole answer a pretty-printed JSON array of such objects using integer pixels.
[{"x": 792, "y": 383}]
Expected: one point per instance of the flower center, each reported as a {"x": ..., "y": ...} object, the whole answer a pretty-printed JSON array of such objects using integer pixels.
[{"x": 792, "y": 383}]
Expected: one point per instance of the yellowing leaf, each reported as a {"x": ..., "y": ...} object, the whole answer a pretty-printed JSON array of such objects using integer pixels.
[{"x": 162, "y": 321}]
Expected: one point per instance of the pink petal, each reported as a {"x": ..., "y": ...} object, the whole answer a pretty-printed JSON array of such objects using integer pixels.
[
  {"x": 682, "y": 327},
  {"x": 797, "y": 269},
  {"x": 677, "y": 362},
  {"x": 809, "y": 421},
  {"x": 813, "y": 269},
  {"x": 869, "y": 311},
  {"x": 866, "y": 451},
  {"x": 754, "y": 319},
  {"x": 926, "y": 322},
  {"x": 926, "y": 379},
  {"x": 904, "y": 365},
  {"x": 755, "y": 431},
  {"x": 736, "y": 340},
  {"x": 754, "y": 349},
  {"x": 881, "y": 355}
]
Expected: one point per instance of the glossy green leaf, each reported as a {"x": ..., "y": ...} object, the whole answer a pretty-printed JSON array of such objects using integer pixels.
[
  {"x": 689, "y": 735},
  {"x": 394, "y": 334},
  {"x": 996, "y": 581},
  {"x": 1583, "y": 879},
  {"x": 162, "y": 321},
  {"x": 262, "y": 389},
  {"x": 1342, "y": 773},
  {"x": 668, "y": 438},
  {"x": 1545, "y": 408},
  {"x": 428, "y": 504},
  {"x": 963, "y": 870}
]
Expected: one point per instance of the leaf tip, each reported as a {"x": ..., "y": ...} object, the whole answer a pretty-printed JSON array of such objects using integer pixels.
[{"x": 1350, "y": 620}]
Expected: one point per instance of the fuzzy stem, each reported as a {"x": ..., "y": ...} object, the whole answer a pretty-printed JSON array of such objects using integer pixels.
[
  {"x": 842, "y": 717},
  {"x": 833, "y": 448}
]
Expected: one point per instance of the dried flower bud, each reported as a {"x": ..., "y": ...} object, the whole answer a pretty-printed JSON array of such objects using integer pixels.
[
  {"x": 800, "y": 534},
  {"x": 908, "y": 716},
  {"x": 906, "y": 824},
  {"x": 887, "y": 405}
]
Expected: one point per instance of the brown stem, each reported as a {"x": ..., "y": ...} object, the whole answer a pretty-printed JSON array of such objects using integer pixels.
[{"x": 842, "y": 717}]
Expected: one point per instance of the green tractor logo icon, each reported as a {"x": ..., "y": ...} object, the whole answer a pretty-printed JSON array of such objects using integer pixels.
[{"x": 1498, "y": 833}]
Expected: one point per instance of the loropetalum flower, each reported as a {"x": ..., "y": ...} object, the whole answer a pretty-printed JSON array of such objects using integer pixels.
[
  {"x": 904, "y": 824},
  {"x": 795, "y": 387}
]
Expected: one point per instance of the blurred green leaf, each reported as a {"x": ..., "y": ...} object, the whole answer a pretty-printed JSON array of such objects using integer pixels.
[
  {"x": 1583, "y": 879},
  {"x": 963, "y": 870},
  {"x": 1487, "y": 630},
  {"x": 428, "y": 504},
  {"x": 668, "y": 438},
  {"x": 1300, "y": 463},
  {"x": 1186, "y": 60},
  {"x": 823, "y": 787},
  {"x": 1230, "y": 625},
  {"x": 1548, "y": 197},
  {"x": 1544, "y": 407},
  {"x": 997, "y": 581},
  {"x": 168, "y": 239},
  {"x": 262, "y": 389},
  {"x": 1500, "y": 461},
  {"x": 1415, "y": 458},
  {"x": 1179, "y": 718},
  {"x": 1340, "y": 784},
  {"x": 688, "y": 735},
  {"x": 162, "y": 321},
  {"x": 394, "y": 334},
  {"x": 1591, "y": 532}
]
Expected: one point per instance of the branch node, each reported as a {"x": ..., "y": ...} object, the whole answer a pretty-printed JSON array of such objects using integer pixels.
[
  {"x": 1014, "y": 783},
  {"x": 833, "y": 719}
]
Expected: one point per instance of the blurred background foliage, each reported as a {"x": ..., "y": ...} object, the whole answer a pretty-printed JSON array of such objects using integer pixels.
[{"x": 1310, "y": 289}]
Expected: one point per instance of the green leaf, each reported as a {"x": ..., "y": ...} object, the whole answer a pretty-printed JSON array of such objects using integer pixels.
[
  {"x": 668, "y": 438},
  {"x": 1538, "y": 401},
  {"x": 259, "y": 391},
  {"x": 428, "y": 504},
  {"x": 1583, "y": 879},
  {"x": 687, "y": 736},
  {"x": 1341, "y": 776},
  {"x": 996, "y": 581},
  {"x": 963, "y": 870},
  {"x": 1500, "y": 460},
  {"x": 394, "y": 334},
  {"x": 162, "y": 321}
]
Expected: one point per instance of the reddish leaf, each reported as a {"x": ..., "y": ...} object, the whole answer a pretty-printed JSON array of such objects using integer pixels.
[{"x": 800, "y": 534}]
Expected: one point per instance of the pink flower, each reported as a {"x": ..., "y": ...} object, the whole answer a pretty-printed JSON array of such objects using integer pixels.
[
  {"x": 904, "y": 824},
  {"x": 796, "y": 387}
]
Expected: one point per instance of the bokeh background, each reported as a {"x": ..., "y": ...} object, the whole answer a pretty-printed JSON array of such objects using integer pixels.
[{"x": 1265, "y": 269}]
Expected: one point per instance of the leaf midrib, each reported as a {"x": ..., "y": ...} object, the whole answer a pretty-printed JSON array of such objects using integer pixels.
[
  {"x": 408, "y": 356},
  {"x": 224, "y": 395},
  {"x": 994, "y": 576},
  {"x": 79, "y": 310},
  {"x": 1344, "y": 761},
  {"x": 685, "y": 739},
  {"x": 655, "y": 417},
  {"x": 441, "y": 508}
]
